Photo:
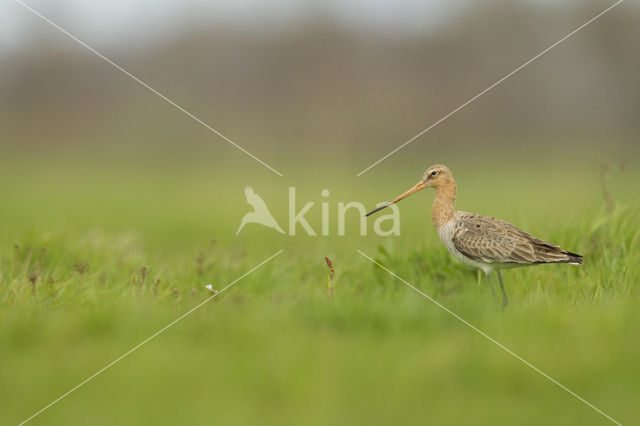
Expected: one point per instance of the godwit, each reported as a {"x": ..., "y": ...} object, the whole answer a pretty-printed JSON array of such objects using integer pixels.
[{"x": 480, "y": 241}]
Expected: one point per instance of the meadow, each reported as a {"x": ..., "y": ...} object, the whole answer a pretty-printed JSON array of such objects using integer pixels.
[{"x": 96, "y": 256}]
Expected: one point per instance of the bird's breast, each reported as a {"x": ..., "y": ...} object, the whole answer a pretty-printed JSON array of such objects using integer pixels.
[{"x": 446, "y": 232}]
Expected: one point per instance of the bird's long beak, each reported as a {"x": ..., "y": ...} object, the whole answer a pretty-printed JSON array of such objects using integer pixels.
[{"x": 418, "y": 186}]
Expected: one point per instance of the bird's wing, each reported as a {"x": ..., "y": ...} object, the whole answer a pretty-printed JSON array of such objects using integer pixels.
[
  {"x": 254, "y": 199},
  {"x": 491, "y": 240}
]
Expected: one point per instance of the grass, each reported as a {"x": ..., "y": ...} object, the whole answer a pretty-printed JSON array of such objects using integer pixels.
[{"x": 93, "y": 263}]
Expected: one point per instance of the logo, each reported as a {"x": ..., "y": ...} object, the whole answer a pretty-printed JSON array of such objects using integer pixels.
[
  {"x": 384, "y": 225},
  {"x": 260, "y": 214}
]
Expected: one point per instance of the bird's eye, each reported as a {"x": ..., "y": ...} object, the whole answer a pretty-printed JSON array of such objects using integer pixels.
[{"x": 433, "y": 173}]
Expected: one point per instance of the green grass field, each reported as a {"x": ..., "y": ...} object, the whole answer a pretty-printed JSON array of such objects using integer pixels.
[{"x": 96, "y": 258}]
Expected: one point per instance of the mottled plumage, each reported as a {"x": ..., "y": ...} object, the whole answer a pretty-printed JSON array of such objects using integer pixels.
[
  {"x": 480, "y": 241},
  {"x": 491, "y": 240}
]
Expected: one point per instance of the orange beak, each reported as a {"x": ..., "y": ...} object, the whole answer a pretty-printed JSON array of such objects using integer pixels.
[{"x": 418, "y": 186}]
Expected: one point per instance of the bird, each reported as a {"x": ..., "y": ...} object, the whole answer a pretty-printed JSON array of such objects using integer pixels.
[
  {"x": 260, "y": 213},
  {"x": 482, "y": 242}
]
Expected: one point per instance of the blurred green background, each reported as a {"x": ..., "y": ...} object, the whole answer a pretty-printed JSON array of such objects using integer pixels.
[{"x": 117, "y": 210}]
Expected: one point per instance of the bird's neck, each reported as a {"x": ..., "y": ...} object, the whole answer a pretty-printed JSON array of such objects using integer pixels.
[{"x": 444, "y": 204}]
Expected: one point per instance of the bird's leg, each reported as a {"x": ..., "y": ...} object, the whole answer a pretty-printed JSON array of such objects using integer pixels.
[
  {"x": 493, "y": 291},
  {"x": 505, "y": 301}
]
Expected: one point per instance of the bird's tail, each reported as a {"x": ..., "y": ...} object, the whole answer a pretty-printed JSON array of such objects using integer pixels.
[
  {"x": 551, "y": 253},
  {"x": 574, "y": 259}
]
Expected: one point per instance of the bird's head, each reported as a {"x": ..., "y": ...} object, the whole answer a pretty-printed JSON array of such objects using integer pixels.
[{"x": 436, "y": 176}]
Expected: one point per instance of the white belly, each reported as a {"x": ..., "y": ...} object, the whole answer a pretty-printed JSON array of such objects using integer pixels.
[{"x": 445, "y": 232}]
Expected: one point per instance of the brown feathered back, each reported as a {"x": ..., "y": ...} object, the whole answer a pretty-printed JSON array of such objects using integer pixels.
[{"x": 492, "y": 240}]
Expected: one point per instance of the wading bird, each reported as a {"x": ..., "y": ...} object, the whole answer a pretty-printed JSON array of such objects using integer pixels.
[{"x": 480, "y": 241}]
